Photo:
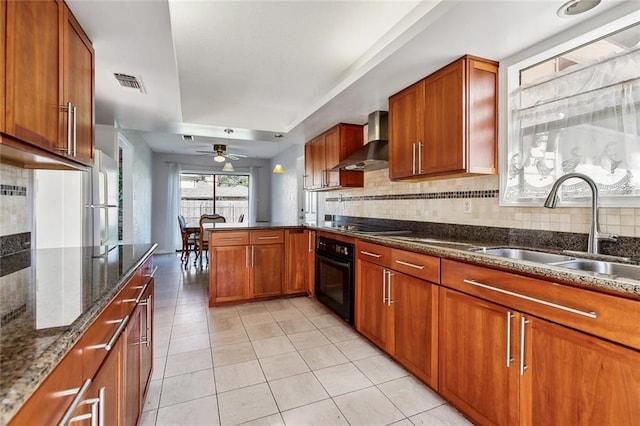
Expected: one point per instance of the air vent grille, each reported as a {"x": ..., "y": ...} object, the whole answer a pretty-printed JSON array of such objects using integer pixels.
[{"x": 129, "y": 82}]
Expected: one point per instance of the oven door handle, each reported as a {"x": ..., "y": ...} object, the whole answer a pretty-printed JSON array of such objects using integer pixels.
[{"x": 335, "y": 261}]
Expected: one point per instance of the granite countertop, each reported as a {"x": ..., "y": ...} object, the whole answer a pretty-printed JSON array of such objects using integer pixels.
[
  {"x": 49, "y": 298},
  {"x": 249, "y": 226},
  {"x": 460, "y": 250}
]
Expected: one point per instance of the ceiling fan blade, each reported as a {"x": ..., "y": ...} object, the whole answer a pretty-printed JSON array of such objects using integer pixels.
[{"x": 234, "y": 155}]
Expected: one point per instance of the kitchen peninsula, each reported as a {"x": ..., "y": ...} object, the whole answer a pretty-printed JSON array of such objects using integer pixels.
[{"x": 62, "y": 318}]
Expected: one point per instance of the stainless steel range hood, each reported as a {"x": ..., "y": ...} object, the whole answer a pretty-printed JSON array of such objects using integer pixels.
[{"x": 374, "y": 155}]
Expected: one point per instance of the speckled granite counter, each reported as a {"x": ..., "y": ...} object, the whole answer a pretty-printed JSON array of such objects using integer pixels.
[
  {"x": 455, "y": 250},
  {"x": 47, "y": 301}
]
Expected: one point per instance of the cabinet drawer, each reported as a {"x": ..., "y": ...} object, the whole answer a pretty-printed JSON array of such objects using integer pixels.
[
  {"x": 610, "y": 317},
  {"x": 374, "y": 253},
  {"x": 267, "y": 237},
  {"x": 415, "y": 264},
  {"x": 104, "y": 330},
  {"x": 221, "y": 239}
]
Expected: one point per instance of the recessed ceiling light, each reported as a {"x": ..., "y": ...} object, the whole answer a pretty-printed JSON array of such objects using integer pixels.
[
  {"x": 277, "y": 135},
  {"x": 576, "y": 7}
]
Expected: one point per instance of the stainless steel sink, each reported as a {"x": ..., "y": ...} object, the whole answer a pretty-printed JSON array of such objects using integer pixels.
[
  {"x": 603, "y": 267},
  {"x": 523, "y": 254}
]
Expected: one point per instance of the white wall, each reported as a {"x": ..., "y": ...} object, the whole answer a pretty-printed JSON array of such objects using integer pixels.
[
  {"x": 285, "y": 187},
  {"x": 194, "y": 163},
  {"x": 142, "y": 180}
]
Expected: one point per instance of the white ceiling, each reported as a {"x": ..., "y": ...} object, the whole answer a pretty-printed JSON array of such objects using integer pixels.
[{"x": 291, "y": 67}]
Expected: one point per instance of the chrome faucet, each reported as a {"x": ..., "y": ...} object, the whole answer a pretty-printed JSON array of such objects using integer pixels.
[{"x": 595, "y": 236}]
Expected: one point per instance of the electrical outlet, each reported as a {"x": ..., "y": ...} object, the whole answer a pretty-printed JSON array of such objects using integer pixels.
[{"x": 467, "y": 206}]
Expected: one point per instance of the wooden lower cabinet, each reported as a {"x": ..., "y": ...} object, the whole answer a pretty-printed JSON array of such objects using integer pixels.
[
  {"x": 267, "y": 269},
  {"x": 311, "y": 262},
  {"x": 146, "y": 341},
  {"x": 373, "y": 316},
  {"x": 296, "y": 261},
  {"x": 473, "y": 354},
  {"x": 415, "y": 326},
  {"x": 131, "y": 404},
  {"x": 229, "y": 274},
  {"x": 504, "y": 367},
  {"x": 399, "y": 313}
]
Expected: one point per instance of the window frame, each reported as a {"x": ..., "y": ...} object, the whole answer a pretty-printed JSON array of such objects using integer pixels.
[{"x": 510, "y": 69}]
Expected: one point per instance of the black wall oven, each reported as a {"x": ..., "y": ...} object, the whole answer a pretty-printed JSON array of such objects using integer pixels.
[{"x": 334, "y": 280}]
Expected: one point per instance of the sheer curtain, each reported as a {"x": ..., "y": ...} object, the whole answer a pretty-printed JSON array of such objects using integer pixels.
[
  {"x": 583, "y": 119},
  {"x": 172, "y": 239}
]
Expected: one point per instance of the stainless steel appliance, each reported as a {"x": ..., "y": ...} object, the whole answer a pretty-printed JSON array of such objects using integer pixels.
[
  {"x": 334, "y": 280},
  {"x": 101, "y": 188}
]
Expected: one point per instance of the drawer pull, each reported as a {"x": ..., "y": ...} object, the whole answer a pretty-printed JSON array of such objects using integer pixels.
[
  {"x": 523, "y": 322},
  {"x": 275, "y": 237},
  {"x": 139, "y": 296},
  {"x": 75, "y": 403},
  {"x": 377, "y": 256},
  {"x": 411, "y": 265},
  {"x": 591, "y": 314},
  {"x": 117, "y": 334},
  {"x": 231, "y": 238},
  {"x": 153, "y": 272}
]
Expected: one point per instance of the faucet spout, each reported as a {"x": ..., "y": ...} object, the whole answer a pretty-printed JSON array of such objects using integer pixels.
[{"x": 595, "y": 236}]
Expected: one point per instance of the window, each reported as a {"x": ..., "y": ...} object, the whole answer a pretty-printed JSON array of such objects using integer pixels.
[
  {"x": 577, "y": 112},
  {"x": 226, "y": 195}
]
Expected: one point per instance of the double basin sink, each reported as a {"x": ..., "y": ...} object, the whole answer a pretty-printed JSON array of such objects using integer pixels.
[{"x": 605, "y": 267}]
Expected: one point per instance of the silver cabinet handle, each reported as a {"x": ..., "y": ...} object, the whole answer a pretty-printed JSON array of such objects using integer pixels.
[
  {"x": 413, "y": 151},
  {"x": 100, "y": 206},
  {"x": 309, "y": 243},
  {"x": 523, "y": 367},
  {"x": 420, "y": 145},
  {"x": 75, "y": 132},
  {"x": 509, "y": 359},
  {"x": 377, "y": 256},
  {"x": 246, "y": 256},
  {"x": 389, "y": 301},
  {"x": 146, "y": 340},
  {"x": 231, "y": 238},
  {"x": 384, "y": 286},
  {"x": 152, "y": 274},
  {"x": 68, "y": 108},
  {"x": 253, "y": 256},
  {"x": 275, "y": 237},
  {"x": 411, "y": 265},
  {"x": 591, "y": 314},
  {"x": 66, "y": 418},
  {"x": 117, "y": 334},
  {"x": 139, "y": 296}
]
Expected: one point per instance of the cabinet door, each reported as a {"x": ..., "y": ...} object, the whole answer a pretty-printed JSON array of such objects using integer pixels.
[
  {"x": 311, "y": 261},
  {"x": 78, "y": 86},
  {"x": 473, "y": 373},
  {"x": 317, "y": 162},
  {"x": 308, "y": 166},
  {"x": 146, "y": 341},
  {"x": 296, "y": 261},
  {"x": 443, "y": 145},
  {"x": 33, "y": 67},
  {"x": 131, "y": 373},
  {"x": 576, "y": 379},
  {"x": 229, "y": 274},
  {"x": 373, "y": 316},
  {"x": 416, "y": 325},
  {"x": 404, "y": 131},
  {"x": 268, "y": 268},
  {"x": 332, "y": 157},
  {"x": 108, "y": 381}
]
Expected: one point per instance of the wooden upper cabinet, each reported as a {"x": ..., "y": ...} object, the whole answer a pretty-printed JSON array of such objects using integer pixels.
[
  {"x": 78, "y": 86},
  {"x": 325, "y": 151},
  {"x": 3, "y": 44},
  {"x": 404, "y": 113},
  {"x": 33, "y": 68},
  {"x": 446, "y": 124},
  {"x": 49, "y": 64}
]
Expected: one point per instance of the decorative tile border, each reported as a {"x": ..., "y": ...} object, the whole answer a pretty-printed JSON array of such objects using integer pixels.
[
  {"x": 13, "y": 190},
  {"x": 6, "y": 318},
  {"x": 14, "y": 243},
  {"x": 492, "y": 193}
]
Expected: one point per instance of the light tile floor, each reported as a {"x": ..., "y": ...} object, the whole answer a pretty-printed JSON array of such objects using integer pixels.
[{"x": 286, "y": 361}]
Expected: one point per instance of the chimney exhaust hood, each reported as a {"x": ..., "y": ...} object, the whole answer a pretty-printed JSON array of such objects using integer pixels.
[{"x": 374, "y": 155}]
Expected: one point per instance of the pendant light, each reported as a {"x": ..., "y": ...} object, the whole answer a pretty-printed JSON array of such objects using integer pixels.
[
  {"x": 228, "y": 167},
  {"x": 278, "y": 168}
]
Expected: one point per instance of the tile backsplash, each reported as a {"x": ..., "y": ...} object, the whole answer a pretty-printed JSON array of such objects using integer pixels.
[
  {"x": 14, "y": 202},
  {"x": 444, "y": 201}
]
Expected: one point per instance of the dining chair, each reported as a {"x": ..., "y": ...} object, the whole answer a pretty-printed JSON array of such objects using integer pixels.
[
  {"x": 203, "y": 243},
  {"x": 189, "y": 240}
]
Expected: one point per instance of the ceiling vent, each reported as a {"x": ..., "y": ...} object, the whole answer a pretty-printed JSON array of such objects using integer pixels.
[
  {"x": 188, "y": 138},
  {"x": 129, "y": 82}
]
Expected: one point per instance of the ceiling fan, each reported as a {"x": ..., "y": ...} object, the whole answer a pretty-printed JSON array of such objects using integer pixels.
[{"x": 220, "y": 153}]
